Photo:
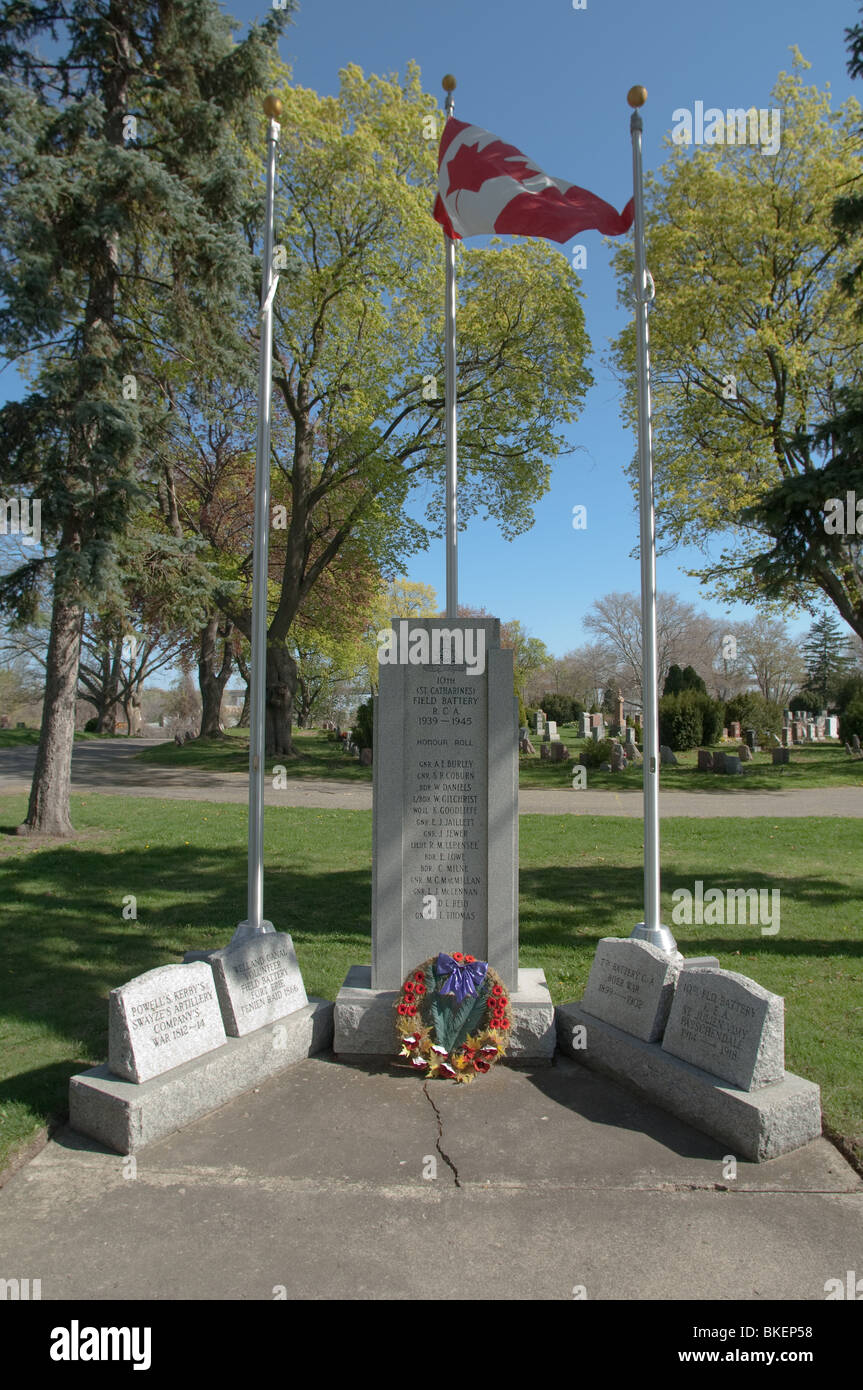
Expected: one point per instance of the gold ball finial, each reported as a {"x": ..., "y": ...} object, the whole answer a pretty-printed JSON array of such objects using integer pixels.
[
  {"x": 448, "y": 83},
  {"x": 636, "y": 96},
  {"x": 272, "y": 107}
]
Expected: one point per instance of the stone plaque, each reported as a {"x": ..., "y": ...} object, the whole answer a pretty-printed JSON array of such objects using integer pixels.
[
  {"x": 445, "y": 811},
  {"x": 631, "y": 985},
  {"x": 257, "y": 981},
  {"x": 161, "y": 1019},
  {"x": 728, "y": 1025}
]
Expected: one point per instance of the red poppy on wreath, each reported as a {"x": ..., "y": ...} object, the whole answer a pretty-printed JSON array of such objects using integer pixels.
[{"x": 444, "y": 1032}]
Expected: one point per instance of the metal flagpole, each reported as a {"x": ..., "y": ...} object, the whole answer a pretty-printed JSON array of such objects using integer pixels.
[
  {"x": 448, "y": 83},
  {"x": 651, "y": 929},
  {"x": 255, "y": 922}
]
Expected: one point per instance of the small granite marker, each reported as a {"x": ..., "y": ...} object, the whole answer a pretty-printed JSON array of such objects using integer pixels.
[
  {"x": 257, "y": 981},
  {"x": 729, "y": 1026},
  {"x": 631, "y": 985},
  {"x": 163, "y": 1018}
]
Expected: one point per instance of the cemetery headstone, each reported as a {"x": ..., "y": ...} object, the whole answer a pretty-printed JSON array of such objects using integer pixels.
[
  {"x": 257, "y": 981},
  {"x": 732, "y": 764},
  {"x": 559, "y": 751},
  {"x": 585, "y": 725},
  {"x": 666, "y": 757},
  {"x": 161, "y": 1019},
  {"x": 729, "y": 1026},
  {"x": 719, "y": 760},
  {"x": 545, "y": 752},
  {"x": 705, "y": 760},
  {"x": 855, "y": 742},
  {"x": 552, "y": 730},
  {"x": 734, "y": 729},
  {"x": 744, "y": 753},
  {"x": 631, "y": 985},
  {"x": 618, "y": 758},
  {"x": 781, "y": 755}
]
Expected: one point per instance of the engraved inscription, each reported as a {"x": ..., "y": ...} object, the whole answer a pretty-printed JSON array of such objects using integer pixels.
[{"x": 171, "y": 1015}]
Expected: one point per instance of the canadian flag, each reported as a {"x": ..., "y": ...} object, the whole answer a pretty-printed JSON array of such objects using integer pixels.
[{"x": 485, "y": 185}]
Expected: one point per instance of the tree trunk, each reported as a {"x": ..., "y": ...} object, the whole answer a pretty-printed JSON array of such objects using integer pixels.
[
  {"x": 48, "y": 812},
  {"x": 281, "y": 684},
  {"x": 212, "y": 680},
  {"x": 243, "y": 721}
]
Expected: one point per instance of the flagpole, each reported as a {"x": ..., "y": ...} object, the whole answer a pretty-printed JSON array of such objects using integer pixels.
[
  {"x": 255, "y": 922},
  {"x": 651, "y": 929},
  {"x": 448, "y": 83}
]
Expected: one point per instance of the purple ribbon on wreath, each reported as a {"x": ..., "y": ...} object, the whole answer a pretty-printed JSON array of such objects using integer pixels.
[{"x": 461, "y": 979}]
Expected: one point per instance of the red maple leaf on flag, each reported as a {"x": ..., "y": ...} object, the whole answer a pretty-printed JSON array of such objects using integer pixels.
[{"x": 470, "y": 166}]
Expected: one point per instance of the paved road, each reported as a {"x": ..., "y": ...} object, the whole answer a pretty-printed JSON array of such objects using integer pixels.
[{"x": 109, "y": 767}]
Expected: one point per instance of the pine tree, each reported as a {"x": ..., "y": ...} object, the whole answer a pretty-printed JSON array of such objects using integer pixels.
[
  {"x": 122, "y": 184},
  {"x": 827, "y": 660}
]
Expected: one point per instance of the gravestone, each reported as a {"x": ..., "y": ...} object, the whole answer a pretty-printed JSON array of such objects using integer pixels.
[
  {"x": 545, "y": 752},
  {"x": 444, "y": 830},
  {"x": 734, "y": 729},
  {"x": 559, "y": 751},
  {"x": 719, "y": 758},
  {"x": 855, "y": 742},
  {"x": 666, "y": 757},
  {"x": 540, "y": 723},
  {"x": 751, "y": 740},
  {"x": 744, "y": 753},
  {"x": 786, "y": 736},
  {"x": 552, "y": 730},
  {"x": 257, "y": 981},
  {"x": 630, "y": 738},
  {"x": 832, "y": 726},
  {"x": 780, "y": 755},
  {"x": 618, "y": 758},
  {"x": 161, "y": 1019},
  {"x": 732, "y": 764},
  {"x": 729, "y": 1026},
  {"x": 631, "y": 985},
  {"x": 705, "y": 760},
  {"x": 585, "y": 724}
]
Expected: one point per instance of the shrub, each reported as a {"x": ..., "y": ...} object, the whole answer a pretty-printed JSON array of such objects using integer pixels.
[
  {"x": 362, "y": 734},
  {"x": 851, "y": 720},
  {"x": 752, "y": 711},
  {"x": 680, "y": 721},
  {"x": 688, "y": 679},
  {"x": 91, "y": 726},
  {"x": 596, "y": 753},
  {"x": 561, "y": 708}
]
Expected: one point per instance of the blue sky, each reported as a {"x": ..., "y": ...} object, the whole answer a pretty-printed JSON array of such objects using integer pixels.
[{"x": 553, "y": 80}]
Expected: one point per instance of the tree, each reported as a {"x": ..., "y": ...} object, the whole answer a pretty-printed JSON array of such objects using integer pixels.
[
  {"x": 827, "y": 660},
  {"x": 769, "y": 657},
  {"x": 121, "y": 185},
  {"x": 358, "y": 418},
  {"x": 529, "y": 653},
  {"x": 752, "y": 339},
  {"x": 680, "y": 679},
  {"x": 680, "y": 631}
]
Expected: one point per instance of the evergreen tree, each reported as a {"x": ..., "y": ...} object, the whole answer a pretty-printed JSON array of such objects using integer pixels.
[
  {"x": 122, "y": 185},
  {"x": 826, "y": 657}
]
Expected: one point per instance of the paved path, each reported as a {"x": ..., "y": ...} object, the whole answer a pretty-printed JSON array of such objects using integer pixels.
[
  {"x": 109, "y": 767},
  {"x": 315, "y": 1182}
]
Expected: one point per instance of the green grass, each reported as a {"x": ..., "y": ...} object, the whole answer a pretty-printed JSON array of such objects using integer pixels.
[
  {"x": 317, "y": 756},
  {"x": 815, "y": 765},
  {"x": 14, "y": 738},
  {"x": 823, "y": 765},
  {"x": 66, "y": 943}
]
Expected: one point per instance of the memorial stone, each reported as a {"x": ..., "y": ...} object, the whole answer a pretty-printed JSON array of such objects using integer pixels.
[
  {"x": 719, "y": 760},
  {"x": 744, "y": 753},
  {"x": 585, "y": 725},
  {"x": 161, "y": 1019},
  {"x": 631, "y": 985},
  {"x": 734, "y": 729},
  {"x": 445, "y": 805},
  {"x": 705, "y": 760},
  {"x": 780, "y": 755},
  {"x": 257, "y": 982},
  {"x": 666, "y": 757},
  {"x": 732, "y": 764},
  {"x": 552, "y": 730},
  {"x": 729, "y": 1026}
]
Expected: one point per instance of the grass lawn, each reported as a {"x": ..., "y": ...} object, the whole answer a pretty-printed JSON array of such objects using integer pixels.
[
  {"x": 820, "y": 765},
  {"x": 14, "y": 738},
  {"x": 66, "y": 944}
]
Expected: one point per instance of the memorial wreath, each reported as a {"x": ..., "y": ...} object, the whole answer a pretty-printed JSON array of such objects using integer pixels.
[{"x": 453, "y": 1017}]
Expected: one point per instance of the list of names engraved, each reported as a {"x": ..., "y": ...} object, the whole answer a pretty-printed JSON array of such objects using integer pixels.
[{"x": 445, "y": 811}]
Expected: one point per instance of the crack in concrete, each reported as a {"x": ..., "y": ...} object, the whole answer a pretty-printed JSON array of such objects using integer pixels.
[{"x": 446, "y": 1158}]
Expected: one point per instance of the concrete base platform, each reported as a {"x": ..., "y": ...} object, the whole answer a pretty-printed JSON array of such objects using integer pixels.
[
  {"x": 757, "y": 1125},
  {"x": 365, "y": 1021},
  {"x": 125, "y": 1117}
]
